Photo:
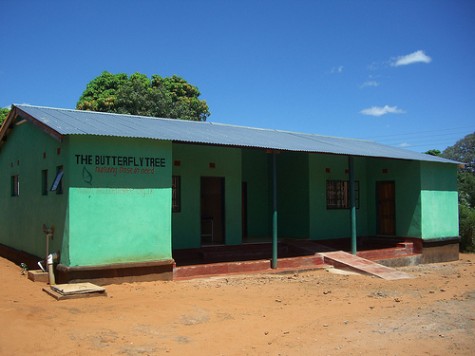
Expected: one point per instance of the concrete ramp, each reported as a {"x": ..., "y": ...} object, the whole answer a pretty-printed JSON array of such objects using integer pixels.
[
  {"x": 344, "y": 260},
  {"x": 75, "y": 290}
]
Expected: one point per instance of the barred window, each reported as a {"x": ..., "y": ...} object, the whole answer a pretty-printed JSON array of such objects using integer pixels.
[
  {"x": 176, "y": 194},
  {"x": 44, "y": 182},
  {"x": 15, "y": 186},
  {"x": 338, "y": 194}
]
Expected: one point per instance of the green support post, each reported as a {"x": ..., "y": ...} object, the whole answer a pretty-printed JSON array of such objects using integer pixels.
[
  {"x": 274, "y": 214},
  {"x": 352, "y": 203}
]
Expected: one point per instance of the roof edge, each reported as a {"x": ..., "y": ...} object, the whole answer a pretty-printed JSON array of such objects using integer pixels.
[
  {"x": 16, "y": 111},
  {"x": 58, "y": 133}
]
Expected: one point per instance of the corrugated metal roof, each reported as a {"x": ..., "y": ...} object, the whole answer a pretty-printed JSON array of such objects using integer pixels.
[{"x": 77, "y": 122}]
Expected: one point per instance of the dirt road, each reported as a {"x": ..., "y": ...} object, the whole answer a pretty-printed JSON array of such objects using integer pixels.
[{"x": 306, "y": 313}]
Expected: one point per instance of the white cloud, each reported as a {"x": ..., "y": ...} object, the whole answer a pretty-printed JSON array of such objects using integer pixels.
[
  {"x": 336, "y": 70},
  {"x": 404, "y": 144},
  {"x": 370, "y": 83},
  {"x": 415, "y": 57},
  {"x": 380, "y": 111}
]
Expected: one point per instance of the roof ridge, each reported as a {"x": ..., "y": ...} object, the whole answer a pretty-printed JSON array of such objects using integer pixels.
[
  {"x": 105, "y": 113},
  {"x": 200, "y": 122}
]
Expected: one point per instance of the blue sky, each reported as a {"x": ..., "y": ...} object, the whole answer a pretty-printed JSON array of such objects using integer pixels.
[{"x": 397, "y": 72}]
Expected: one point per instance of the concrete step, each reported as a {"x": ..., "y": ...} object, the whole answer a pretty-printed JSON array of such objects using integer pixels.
[
  {"x": 401, "y": 250},
  {"x": 208, "y": 269},
  {"x": 258, "y": 266},
  {"x": 344, "y": 260}
]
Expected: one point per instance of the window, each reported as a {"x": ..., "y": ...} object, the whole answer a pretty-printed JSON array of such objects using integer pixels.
[
  {"x": 15, "y": 186},
  {"x": 338, "y": 194},
  {"x": 44, "y": 182},
  {"x": 58, "y": 181},
  {"x": 176, "y": 194}
]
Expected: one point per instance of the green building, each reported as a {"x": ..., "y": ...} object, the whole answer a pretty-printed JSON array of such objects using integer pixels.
[{"x": 124, "y": 193}]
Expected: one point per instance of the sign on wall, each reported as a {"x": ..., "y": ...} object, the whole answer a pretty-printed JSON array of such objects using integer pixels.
[{"x": 118, "y": 165}]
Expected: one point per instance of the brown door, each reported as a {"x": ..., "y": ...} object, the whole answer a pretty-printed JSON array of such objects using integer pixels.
[
  {"x": 386, "y": 208},
  {"x": 212, "y": 210}
]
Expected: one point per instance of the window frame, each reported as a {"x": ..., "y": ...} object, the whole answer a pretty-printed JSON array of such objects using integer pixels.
[
  {"x": 15, "y": 185},
  {"x": 176, "y": 194},
  {"x": 338, "y": 194}
]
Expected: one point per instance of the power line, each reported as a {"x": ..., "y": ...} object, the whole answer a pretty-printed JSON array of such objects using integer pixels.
[
  {"x": 423, "y": 132},
  {"x": 418, "y": 143},
  {"x": 428, "y": 138}
]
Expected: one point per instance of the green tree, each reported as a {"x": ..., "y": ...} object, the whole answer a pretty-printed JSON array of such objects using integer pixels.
[
  {"x": 466, "y": 186},
  {"x": 3, "y": 114},
  {"x": 433, "y": 152},
  {"x": 170, "y": 97},
  {"x": 101, "y": 92},
  {"x": 467, "y": 228},
  {"x": 464, "y": 151}
]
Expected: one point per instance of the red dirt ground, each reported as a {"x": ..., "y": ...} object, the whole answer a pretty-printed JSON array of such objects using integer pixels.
[{"x": 306, "y": 313}]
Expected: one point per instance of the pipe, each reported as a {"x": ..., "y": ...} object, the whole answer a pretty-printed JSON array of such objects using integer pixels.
[
  {"x": 49, "y": 234},
  {"x": 50, "y": 260},
  {"x": 41, "y": 266}
]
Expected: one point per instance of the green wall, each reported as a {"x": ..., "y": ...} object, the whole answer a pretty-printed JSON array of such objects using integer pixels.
[
  {"x": 406, "y": 175},
  {"x": 439, "y": 200},
  {"x": 302, "y": 194},
  {"x": 26, "y": 152},
  {"x": 292, "y": 194},
  {"x": 119, "y": 201},
  {"x": 257, "y": 173},
  {"x": 426, "y": 197},
  {"x": 194, "y": 163},
  {"x": 114, "y": 225},
  {"x": 334, "y": 223}
]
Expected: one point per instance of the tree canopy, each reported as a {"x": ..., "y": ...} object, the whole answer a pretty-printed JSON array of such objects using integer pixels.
[
  {"x": 3, "y": 114},
  {"x": 463, "y": 151},
  {"x": 170, "y": 97},
  {"x": 433, "y": 152}
]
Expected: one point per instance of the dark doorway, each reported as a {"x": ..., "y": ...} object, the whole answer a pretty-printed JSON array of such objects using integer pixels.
[
  {"x": 386, "y": 208},
  {"x": 244, "y": 209},
  {"x": 212, "y": 210}
]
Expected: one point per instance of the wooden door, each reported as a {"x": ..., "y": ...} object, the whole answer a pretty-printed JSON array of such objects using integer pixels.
[
  {"x": 212, "y": 210},
  {"x": 386, "y": 208}
]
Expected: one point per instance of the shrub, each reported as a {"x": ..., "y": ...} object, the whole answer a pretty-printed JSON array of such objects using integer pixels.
[{"x": 467, "y": 228}]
